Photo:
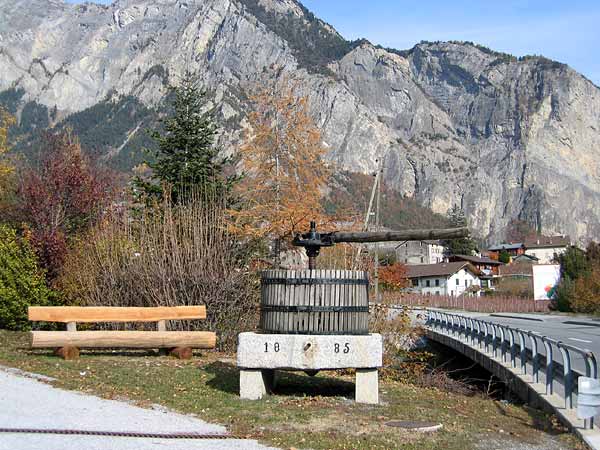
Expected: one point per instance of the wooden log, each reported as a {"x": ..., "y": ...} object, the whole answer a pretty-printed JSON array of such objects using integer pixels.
[
  {"x": 114, "y": 314},
  {"x": 68, "y": 353},
  {"x": 123, "y": 339},
  {"x": 181, "y": 352},
  {"x": 406, "y": 235}
]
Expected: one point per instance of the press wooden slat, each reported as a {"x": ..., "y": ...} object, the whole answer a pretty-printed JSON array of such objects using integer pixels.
[
  {"x": 313, "y": 295},
  {"x": 88, "y": 314}
]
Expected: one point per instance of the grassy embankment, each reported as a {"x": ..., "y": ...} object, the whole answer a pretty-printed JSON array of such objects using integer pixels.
[{"x": 309, "y": 412}]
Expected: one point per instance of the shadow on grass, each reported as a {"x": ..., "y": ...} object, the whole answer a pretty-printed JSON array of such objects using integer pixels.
[
  {"x": 90, "y": 352},
  {"x": 295, "y": 384}
]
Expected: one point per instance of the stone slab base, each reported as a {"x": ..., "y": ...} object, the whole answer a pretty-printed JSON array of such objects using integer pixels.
[
  {"x": 259, "y": 355},
  {"x": 308, "y": 352},
  {"x": 256, "y": 384}
]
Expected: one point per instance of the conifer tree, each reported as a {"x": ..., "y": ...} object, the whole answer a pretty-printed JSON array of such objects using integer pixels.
[
  {"x": 187, "y": 159},
  {"x": 461, "y": 246}
]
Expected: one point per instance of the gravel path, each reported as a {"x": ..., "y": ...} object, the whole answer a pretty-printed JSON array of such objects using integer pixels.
[{"x": 28, "y": 403}]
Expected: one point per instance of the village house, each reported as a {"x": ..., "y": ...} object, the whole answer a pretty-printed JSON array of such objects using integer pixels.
[
  {"x": 420, "y": 252},
  {"x": 526, "y": 258},
  {"x": 513, "y": 250},
  {"x": 546, "y": 248},
  {"x": 487, "y": 267},
  {"x": 451, "y": 278}
]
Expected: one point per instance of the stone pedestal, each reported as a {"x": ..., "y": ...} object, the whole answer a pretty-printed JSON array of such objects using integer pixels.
[{"x": 260, "y": 355}]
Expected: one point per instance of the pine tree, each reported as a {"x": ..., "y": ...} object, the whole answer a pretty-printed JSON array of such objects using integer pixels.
[
  {"x": 187, "y": 159},
  {"x": 462, "y": 246}
]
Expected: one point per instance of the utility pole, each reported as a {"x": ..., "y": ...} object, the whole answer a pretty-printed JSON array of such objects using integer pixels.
[
  {"x": 367, "y": 215},
  {"x": 377, "y": 207}
]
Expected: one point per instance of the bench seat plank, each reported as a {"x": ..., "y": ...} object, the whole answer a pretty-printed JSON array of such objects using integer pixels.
[
  {"x": 123, "y": 339},
  {"x": 91, "y": 314}
]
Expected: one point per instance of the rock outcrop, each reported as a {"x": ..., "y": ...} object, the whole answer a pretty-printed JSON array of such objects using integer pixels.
[{"x": 457, "y": 123}]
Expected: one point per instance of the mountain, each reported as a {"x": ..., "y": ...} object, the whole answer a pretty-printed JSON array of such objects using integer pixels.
[{"x": 504, "y": 137}]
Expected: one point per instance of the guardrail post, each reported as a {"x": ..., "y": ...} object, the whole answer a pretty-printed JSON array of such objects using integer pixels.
[
  {"x": 549, "y": 366},
  {"x": 478, "y": 324},
  {"x": 591, "y": 370},
  {"x": 485, "y": 336},
  {"x": 511, "y": 341},
  {"x": 494, "y": 341},
  {"x": 502, "y": 342},
  {"x": 567, "y": 375},
  {"x": 472, "y": 330},
  {"x": 523, "y": 352},
  {"x": 535, "y": 362}
]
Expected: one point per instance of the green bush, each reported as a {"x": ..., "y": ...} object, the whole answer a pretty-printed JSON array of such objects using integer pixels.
[
  {"x": 504, "y": 257},
  {"x": 22, "y": 283}
]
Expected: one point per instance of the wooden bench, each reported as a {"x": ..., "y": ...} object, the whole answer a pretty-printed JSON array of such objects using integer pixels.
[{"x": 68, "y": 343}]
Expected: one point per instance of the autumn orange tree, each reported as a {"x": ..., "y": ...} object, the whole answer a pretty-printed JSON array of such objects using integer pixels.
[
  {"x": 285, "y": 174},
  {"x": 394, "y": 277}
]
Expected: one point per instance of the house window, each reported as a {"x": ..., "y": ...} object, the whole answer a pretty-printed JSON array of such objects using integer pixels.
[
  {"x": 415, "y": 282},
  {"x": 428, "y": 283},
  {"x": 457, "y": 282},
  {"x": 466, "y": 283},
  {"x": 452, "y": 293},
  {"x": 421, "y": 260},
  {"x": 437, "y": 292},
  {"x": 437, "y": 283}
]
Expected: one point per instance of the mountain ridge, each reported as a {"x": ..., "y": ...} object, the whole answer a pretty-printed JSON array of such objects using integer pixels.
[{"x": 504, "y": 137}]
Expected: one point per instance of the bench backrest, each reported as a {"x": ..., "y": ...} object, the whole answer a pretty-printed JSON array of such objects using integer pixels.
[{"x": 90, "y": 314}]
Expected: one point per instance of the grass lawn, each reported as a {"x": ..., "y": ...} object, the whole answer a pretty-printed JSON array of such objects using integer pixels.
[{"x": 315, "y": 412}]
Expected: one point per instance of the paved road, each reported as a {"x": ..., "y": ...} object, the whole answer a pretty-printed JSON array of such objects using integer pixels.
[
  {"x": 29, "y": 403},
  {"x": 582, "y": 332}
]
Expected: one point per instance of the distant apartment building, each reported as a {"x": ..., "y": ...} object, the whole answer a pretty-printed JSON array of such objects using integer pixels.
[
  {"x": 546, "y": 248},
  {"x": 420, "y": 252},
  {"x": 453, "y": 278}
]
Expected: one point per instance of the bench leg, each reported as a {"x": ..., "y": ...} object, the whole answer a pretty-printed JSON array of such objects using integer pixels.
[
  {"x": 181, "y": 352},
  {"x": 367, "y": 386},
  {"x": 161, "y": 325},
  {"x": 68, "y": 353}
]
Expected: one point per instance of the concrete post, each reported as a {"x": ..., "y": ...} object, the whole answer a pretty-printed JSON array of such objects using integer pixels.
[
  {"x": 367, "y": 386},
  {"x": 254, "y": 383}
]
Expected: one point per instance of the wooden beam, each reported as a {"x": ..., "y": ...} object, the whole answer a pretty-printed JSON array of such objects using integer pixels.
[
  {"x": 114, "y": 314},
  {"x": 406, "y": 235},
  {"x": 123, "y": 339}
]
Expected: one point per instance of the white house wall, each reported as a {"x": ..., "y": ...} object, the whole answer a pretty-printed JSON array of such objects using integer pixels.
[{"x": 448, "y": 286}]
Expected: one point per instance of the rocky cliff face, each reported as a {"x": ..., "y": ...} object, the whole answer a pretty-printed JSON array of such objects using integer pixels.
[{"x": 456, "y": 123}]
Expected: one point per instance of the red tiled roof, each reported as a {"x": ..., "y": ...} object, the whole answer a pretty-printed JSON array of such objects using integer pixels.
[
  {"x": 548, "y": 242},
  {"x": 477, "y": 259},
  {"x": 436, "y": 270}
]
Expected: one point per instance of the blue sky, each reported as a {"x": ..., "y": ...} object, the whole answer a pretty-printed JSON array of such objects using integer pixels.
[{"x": 565, "y": 30}]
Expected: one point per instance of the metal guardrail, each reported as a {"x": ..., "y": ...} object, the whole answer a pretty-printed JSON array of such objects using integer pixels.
[{"x": 499, "y": 341}]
